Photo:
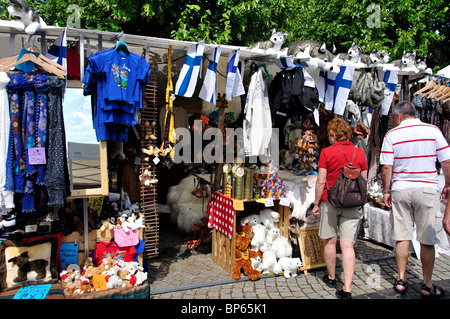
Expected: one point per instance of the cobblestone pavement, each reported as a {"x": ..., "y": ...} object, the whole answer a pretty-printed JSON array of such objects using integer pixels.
[{"x": 180, "y": 273}]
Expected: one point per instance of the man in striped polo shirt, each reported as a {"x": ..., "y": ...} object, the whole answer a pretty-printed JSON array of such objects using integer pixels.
[{"x": 410, "y": 186}]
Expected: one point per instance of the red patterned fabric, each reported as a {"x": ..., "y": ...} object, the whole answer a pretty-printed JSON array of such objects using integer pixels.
[{"x": 221, "y": 214}]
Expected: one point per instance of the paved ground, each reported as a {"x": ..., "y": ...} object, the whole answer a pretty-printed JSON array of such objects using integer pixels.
[{"x": 180, "y": 273}]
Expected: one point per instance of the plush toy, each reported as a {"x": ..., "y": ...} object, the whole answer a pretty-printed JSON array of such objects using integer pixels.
[
  {"x": 106, "y": 225},
  {"x": 25, "y": 265},
  {"x": 122, "y": 221},
  {"x": 273, "y": 46},
  {"x": 259, "y": 237},
  {"x": 282, "y": 247},
  {"x": 407, "y": 63},
  {"x": 243, "y": 256},
  {"x": 256, "y": 263},
  {"x": 307, "y": 148},
  {"x": 269, "y": 260},
  {"x": 361, "y": 131},
  {"x": 272, "y": 234},
  {"x": 269, "y": 217},
  {"x": 112, "y": 279},
  {"x": 136, "y": 221},
  {"x": 136, "y": 275},
  {"x": 25, "y": 19},
  {"x": 318, "y": 55},
  {"x": 252, "y": 220},
  {"x": 289, "y": 266},
  {"x": 147, "y": 179}
]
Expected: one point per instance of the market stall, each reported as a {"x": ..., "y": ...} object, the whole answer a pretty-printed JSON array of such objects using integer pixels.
[{"x": 166, "y": 114}]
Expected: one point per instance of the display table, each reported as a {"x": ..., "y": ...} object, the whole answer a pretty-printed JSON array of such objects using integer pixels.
[{"x": 379, "y": 228}]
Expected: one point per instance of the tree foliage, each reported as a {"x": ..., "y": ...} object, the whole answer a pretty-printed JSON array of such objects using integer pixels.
[{"x": 392, "y": 25}]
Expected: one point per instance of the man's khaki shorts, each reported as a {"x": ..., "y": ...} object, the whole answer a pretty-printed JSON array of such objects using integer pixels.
[
  {"x": 341, "y": 222},
  {"x": 420, "y": 206}
]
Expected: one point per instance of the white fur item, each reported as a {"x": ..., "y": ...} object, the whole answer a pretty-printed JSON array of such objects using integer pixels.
[{"x": 186, "y": 209}]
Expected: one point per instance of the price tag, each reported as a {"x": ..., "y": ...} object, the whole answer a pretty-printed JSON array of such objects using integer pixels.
[
  {"x": 285, "y": 202},
  {"x": 33, "y": 292},
  {"x": 99, "y": 282},
  {"x": 36, "y": 156},
  {"x": 238, "y": 204},
  {"x": 269, "y": 202}
]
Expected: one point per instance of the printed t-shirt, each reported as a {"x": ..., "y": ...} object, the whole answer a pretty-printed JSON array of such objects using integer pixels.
[
  {"x": 333, "y": 161},
  {"x": 111, "y": 249}
]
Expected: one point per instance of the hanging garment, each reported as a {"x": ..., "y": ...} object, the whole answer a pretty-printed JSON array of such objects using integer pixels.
[
  {"x": 57, "y": 170},
  {"x": 115, "y": 82},
  {"x": 6, "y": 197},
  {"x": 41, "y": 87},
  {"x": 257, "y": 126},
  {"x": 73, "y": 65}
]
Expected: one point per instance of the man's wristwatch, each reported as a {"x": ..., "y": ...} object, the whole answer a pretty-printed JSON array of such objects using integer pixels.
[{"x": 386, "y": 192}]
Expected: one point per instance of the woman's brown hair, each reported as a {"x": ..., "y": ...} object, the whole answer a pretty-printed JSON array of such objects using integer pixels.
[{"x": 340, "y": 128}]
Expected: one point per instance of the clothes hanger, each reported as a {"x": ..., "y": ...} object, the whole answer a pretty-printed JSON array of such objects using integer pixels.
[
  {"x": 265, "y": 70},
  {"x": 445, "y": 93},
  {"x": 39, "y": 60},
  {"x": 438, "y": 91},
  {"x": 429, "y": 85},
  {"x": 433, "y": 90},
  {"x": 122, "y": 47}
]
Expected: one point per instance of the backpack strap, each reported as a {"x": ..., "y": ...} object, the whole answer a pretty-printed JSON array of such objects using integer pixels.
[{"x": 354, "y": 154}]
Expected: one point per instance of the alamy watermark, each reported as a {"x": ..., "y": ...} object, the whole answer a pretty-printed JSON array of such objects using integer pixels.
[
  {"x": 374, "y": 19},
  {"x": 221, "y": 147}
]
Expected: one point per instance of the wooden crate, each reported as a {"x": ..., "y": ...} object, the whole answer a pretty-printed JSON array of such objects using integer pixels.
[
  {"x": 311, "y": 249},
  {"x": 223, "y": 248}
]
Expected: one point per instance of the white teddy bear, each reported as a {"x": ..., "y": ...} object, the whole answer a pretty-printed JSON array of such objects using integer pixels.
[
  {"x": 272, "y": 234},
  {"x": 269, "y": 218},
  {"x": 256, "y": 263},
  {"x": 259, "y": 237},
  {"x": 289, "y": 266},
  {"x": 282, "y": 247},
  {"x": 252, "y": 220},
  {"x": 269, "y": 261}
]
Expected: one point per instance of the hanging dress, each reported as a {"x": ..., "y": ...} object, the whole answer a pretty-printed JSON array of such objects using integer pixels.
[{"x": 6, "y": 197}]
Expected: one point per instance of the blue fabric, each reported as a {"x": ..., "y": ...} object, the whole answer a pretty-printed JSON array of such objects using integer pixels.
[
  {"x": 115, "y": 83},
  {"x": 28, "y": 65}
]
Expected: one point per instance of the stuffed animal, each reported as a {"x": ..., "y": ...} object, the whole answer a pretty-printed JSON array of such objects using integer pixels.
[
  {"x": 106, "y": 225},
  {"x": 269, "y": 217},
  {"x": 112, "y": 279},
  {"x": 147, "y": 179},
  {"x": 25, "y": 19},
  {"x": 243, "y": 256},
  {"x": 256, "y": 263},
  {"x": 289, "y": 266},
  {"x": 269, "y": 260},
  {"x": 136, "y": 275},
  {"x": 252, "y": 220},
  {"x": 407, "y": 63},
  {"x": 25, "y": 265},
  {"x": 272, "y": 46},
  {"x": 307, "y": 148},
  {"x": 282, "y": 247},
  {"x": 259, "y": 237},
  {"x": 318, "y": 55},
  {"x": 272, "y": 234}
]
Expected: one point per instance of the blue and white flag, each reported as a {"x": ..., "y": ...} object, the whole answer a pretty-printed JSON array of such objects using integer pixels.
[
  {"x": 58, "y": 51},
  {"x": 234, "y": 86},
  {"x": 391, "y": 80},
  {"x": 334, "y": 88},
  {"x": 208, "y": 90},
  {"x": 187, "y": 80}
]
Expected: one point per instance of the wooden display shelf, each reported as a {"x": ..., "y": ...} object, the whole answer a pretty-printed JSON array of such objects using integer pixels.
[{"x": 223, "y": 248}]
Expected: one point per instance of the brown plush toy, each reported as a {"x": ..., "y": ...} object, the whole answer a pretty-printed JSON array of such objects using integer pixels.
[{"x": 243, "y": 255}]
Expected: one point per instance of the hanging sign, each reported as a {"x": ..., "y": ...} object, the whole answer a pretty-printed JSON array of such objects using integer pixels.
[{"x": 36, "y": 156}]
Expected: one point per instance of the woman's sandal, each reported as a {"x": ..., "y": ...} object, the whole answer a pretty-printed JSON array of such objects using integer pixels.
[
  {"x": 432, "y": 292},
  {"x": 400, "y": 282}
]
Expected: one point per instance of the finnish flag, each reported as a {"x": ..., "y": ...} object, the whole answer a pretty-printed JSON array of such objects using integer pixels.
[
  {"x": 234, "y": 86},
  {"x": 334, "y": 88},
  {"x": 391, "y": 80},
  {"x": 187, "y": 79},
  {"x": 208, "y": 90},
  {"x": 58, "y": 51}
]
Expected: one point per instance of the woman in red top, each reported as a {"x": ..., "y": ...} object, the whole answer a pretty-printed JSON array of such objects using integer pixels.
[{"x": 334, "y": 222}]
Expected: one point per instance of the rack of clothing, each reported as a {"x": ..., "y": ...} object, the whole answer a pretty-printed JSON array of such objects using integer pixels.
[{"x": 34, "y": 171}]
